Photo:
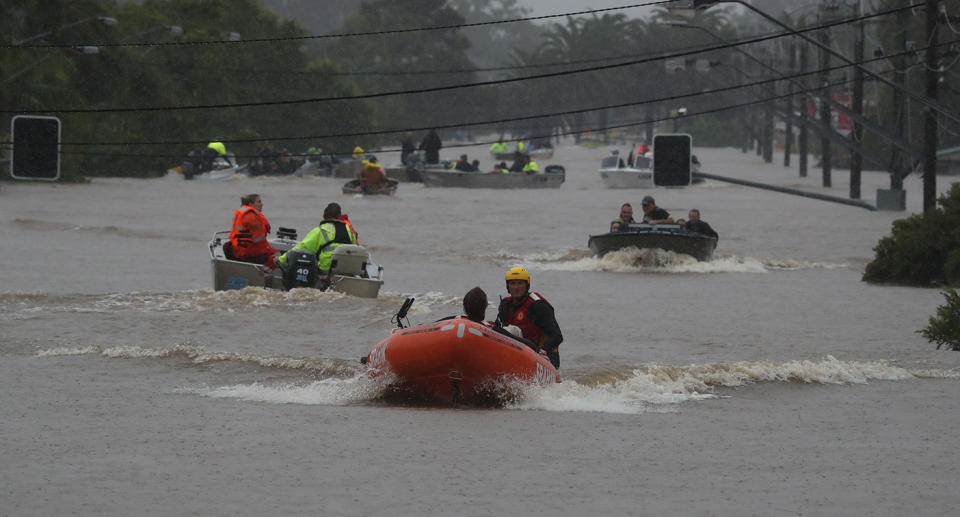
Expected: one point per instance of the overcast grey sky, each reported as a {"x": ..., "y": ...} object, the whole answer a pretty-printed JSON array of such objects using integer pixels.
[{"x": 545, "y": 7}]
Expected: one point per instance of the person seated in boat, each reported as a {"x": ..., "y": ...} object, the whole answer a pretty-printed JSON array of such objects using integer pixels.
[
  {"x": 623, "y": 222},
  {"x": 248, "y": 234},
  {"x": 498, "y": 147},
  {"x": 199, "y": 161},
  {"x": 532, "y": 313},
  {"x": 358, "y": 153},
  {"x": 463, "y": 164},
  {"x": 652, "y": 214},
  {"x": 500, "y": 168},
  {"x": 519, "y": 161},
  {"x": 475, "y": 305},
  {"x": 322, "y": 240},
  {"x": 530, "y": 166},
  {"x": 372, "y": 177},
  {"x": 266, "y": 161},
  {"x": 695, "y": 224}
]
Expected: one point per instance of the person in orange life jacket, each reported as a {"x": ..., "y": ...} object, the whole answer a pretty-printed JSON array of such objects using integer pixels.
[
  {"x": 346, "y": 220},
  {"x": 248, "y": 234},
  {"x": 372, "y": 176},
  {"x": 532, "y": 313}
]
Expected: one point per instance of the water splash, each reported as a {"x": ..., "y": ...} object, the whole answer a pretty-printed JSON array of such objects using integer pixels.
[
  {"x": 653, "y": 387},
  {"x": 637, "y": 260}
]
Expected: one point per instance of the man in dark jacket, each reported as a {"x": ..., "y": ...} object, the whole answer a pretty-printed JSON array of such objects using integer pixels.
[
  {"x": 652, "y": 214},
  {"x": 695, "y": 224},
  {"x": 430, "y": 146}
]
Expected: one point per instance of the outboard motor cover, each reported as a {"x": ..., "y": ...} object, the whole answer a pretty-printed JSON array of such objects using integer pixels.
[
  {"x": 349, "y": 260},
  {"x": 301, "y": 270}
]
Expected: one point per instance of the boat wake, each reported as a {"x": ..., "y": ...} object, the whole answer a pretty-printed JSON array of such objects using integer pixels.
[
  {"x": 635, "y": 260},
  {"x": 648, "y": 388},
  {"x": 24, "y": 305}
]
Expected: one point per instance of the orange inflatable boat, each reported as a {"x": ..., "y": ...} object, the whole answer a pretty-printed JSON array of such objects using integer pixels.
[{"x": 458, "y": 361}]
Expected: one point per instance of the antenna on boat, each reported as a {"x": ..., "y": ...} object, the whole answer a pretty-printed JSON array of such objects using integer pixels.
[{"x": 402, "y": 313}]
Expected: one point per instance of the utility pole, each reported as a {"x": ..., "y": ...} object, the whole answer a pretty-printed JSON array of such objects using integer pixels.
[
  {"x": 856, "y": 159},
  {"x": 788, "y": 124},
  {"x": 804, "y": 102},
  {"x": 898, "y": 164},
  {"x": 930, "y": 115},
  {"x": 826, "y": 117}
]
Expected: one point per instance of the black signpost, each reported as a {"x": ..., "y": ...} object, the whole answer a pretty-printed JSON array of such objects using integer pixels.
[
  {"x": 36, "y": 148},
  {"x": 671, "y": 160}
]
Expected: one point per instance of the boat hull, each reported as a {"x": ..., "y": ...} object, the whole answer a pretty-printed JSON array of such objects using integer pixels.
[
  {"x": 627, "y": 178},
  {"x": 433, "y": 177},
  {"x": 458, "y": 361},
  {"x": 665, "y": 237},
  {"x": 355, "y": 187},
  {"x": 234, "y": 274}
]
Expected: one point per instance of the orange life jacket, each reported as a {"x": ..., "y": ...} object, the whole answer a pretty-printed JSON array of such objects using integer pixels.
[
  {"x": 519, "y": 316},
  {"x": 249, "y": 242}
]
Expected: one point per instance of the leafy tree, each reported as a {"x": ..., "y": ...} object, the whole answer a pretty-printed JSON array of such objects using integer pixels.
[
  {"x": 172, "y": 76},
  {"x": 923, "y": 249},
  {"x": 944, "y": 328},
  {"x": 418, "y": 55}
]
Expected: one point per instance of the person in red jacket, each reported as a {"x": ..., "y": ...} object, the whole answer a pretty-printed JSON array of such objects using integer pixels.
[
  {"x": 248, "y": 234},
  {"x": 532, "y": 313}
]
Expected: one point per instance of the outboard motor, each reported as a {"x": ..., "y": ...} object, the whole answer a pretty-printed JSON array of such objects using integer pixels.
[{"x": 301, "y": 270}]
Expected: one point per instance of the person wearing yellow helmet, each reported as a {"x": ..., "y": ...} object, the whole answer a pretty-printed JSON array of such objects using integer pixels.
[
  {"x": 218, "y": 147},
  {"x": 532, "y": 313}
]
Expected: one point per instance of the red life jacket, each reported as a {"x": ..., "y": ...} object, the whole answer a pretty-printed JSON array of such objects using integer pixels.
[
  {"x": 519, "y": 316},
  {"x": 245, "y": 242}
]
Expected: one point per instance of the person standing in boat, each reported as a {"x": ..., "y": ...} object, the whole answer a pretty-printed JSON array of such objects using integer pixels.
[
  {"x": 248, "y": 234},
  {"x": 532, "y": 313},
  {"x": 652, "y": 214},
  {"x": 622, "y": 223},
  {"x": 322, "y": 240},
  {"x": 431, "y": 146},
  {"x": 695, "y": 224},
  {"x": 407, "y": 147}
]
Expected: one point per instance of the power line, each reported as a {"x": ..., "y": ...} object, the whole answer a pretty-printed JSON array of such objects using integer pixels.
[
  {"x": 517, "y": 119},
  {"x": 347, "y": 35},
  {"x": 454, "y": 86}
]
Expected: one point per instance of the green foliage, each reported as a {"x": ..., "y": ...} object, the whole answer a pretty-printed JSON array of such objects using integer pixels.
[
  {"x": 944, "y": 328},
  {"x": 922, "y": 249},
  {"x": 171, "y": 76}
]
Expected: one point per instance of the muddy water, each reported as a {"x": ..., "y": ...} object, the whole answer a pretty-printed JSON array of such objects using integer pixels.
[{"x": 769, "y": 381}]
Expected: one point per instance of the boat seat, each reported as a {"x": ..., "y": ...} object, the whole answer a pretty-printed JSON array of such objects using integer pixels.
[{"x": 349, "y": 259}]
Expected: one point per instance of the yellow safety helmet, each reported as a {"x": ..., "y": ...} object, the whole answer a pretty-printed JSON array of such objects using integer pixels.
[
  {"x": 518, "y": 273},
  {"x": 218, "y": 147}
]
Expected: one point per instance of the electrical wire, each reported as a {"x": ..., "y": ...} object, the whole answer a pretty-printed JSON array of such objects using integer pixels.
[
  {"x": 447, "y": 87},
  {"x": 347, "y": 35}
]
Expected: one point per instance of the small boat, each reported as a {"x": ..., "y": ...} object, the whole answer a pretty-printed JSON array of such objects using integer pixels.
[
  {"x": 638, "y": 176},
  {"x": 352, "y": 270},
  {"x": 389, "y": 188},
  {"x": 458, "y": 361},
  {"x": 224, "y": 168},
  {"x": 669, "y": 237},
  {"x": 552, "y": 177}
]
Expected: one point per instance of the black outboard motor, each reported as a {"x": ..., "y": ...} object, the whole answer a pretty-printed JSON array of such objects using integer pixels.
[{"x": 301, "y": 270}]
